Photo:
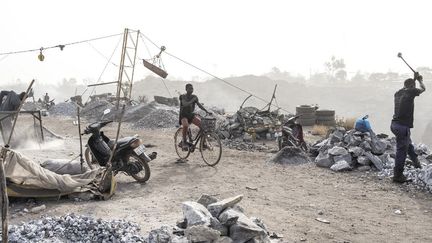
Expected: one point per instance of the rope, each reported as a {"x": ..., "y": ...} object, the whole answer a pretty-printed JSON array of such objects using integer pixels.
[
  {"x": 4, "y": 58},
  {"x": 101, "y": 54},
  {"x": 106, "y": 65},
  {"x": 226, "y": 82},
  {"x": 59, "y": 46},
  {"x": 214, "y": 76}
]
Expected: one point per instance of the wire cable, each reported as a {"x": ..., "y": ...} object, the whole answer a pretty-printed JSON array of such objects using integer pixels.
[
  {"x": 59, "y": 46},
  {"x": 226, "y": 82},
  {"x": 214, "y": 76}
]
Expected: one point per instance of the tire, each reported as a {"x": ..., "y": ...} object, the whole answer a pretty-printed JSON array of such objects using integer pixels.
[
  {"x": 178, "y": 138},
  {"x": 90, "y": 159},
  {"x": 139, "y": 177},
  {"x": 305, "y": 109},
  {"x": 325, "y": 113},
  {"x": 210, "y": 148}
]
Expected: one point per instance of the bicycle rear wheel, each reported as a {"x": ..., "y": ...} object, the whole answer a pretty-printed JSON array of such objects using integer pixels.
[
  {"x": 210, "y": 148},
  {"x": 178, "y": 138}
]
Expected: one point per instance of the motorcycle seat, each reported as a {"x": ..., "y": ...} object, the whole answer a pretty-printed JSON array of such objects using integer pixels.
[{"x": 123, "y": 142}]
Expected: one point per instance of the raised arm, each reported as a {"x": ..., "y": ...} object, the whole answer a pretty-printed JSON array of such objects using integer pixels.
[
  {"x": 201, "y": 106},
  {"x": 422, "y": 86}
]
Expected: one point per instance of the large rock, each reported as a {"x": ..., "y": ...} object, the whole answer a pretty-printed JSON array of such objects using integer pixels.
[
  {"x": 245, "y": 229},
  {"x": 363, "y": 160},
  {"x": 335, "y": 151},
  {"x": 366, "y": 146},
  {"x": 345, "y": 157},
  {"x": 223, "y": 239},
  {"x": 217, "y": 207},
  {"x": 376, "y": 161},
  {"x": 229, "y": 217},
  {"x": 206, "y": 200},
  {"x": 324, "y": 160},
  {"x": 341, "y": 165},
  {"x": 201, "y": 233},
  {"x": 378, "y": 146},
  {"x": 179, "y": 239},
  {"x": 162, "y": 235},
  {"x": 216, "y": 225},
  {"x": 290, "y": 155},
  {"x": 196, "y": 214},
  {"x": 356, "y": 151}
]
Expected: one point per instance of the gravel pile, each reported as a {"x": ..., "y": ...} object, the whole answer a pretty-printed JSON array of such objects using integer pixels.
[
  {"x": 74, "y": 228},
  {"x": 240, "y": 144},
  {"x": 63, "y": 109},
  {"x": 158, "y": 118},
  {"x": 94, "y": 110},
  {"x": 354, "y": 150},
  {"x": 32, "y": 106}
]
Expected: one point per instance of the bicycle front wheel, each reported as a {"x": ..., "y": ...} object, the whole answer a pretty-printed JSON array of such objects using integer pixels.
[
  {"x": 210, "y": 148},
  {"x": 178, "y": 138}
]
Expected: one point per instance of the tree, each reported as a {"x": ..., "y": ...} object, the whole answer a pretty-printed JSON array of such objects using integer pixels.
[
  {"x": 359, "y": 77},
  {"x": 336, "y": 69}
]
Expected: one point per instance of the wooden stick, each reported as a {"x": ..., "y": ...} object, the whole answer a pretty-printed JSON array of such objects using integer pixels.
[{"x": 5, "y": 200}]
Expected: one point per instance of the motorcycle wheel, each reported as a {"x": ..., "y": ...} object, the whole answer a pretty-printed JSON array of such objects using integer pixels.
[
  {"x": 144, "y": 174},
  {"x": 90, "y": 159}
]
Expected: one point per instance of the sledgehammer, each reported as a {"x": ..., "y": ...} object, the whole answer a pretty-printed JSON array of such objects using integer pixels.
[{"x": 400, "y": 56}]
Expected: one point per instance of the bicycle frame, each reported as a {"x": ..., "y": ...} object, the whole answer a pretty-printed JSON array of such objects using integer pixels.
[{"x": 197, "y": 138}]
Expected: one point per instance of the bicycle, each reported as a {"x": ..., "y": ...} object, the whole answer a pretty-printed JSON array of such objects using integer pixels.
[{"x": 206, "y": 139}]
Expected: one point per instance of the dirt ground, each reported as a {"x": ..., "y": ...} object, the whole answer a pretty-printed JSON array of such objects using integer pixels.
[{"x": 359, "y": 207}]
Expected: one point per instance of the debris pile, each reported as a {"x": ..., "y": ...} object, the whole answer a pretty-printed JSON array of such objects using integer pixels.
[
  {"x": 348, "y": 150},
  {"x": 211, "y": 220},
  {"x": 250, "y": 120},
  {"x": 75, "y": 228},
  {"x": 94, "y": 109},
  {"x": 290, "y": 155},
  {"x": 63, "y": 109},
  {"x": 32, "y": 106},
  {"x": 244, "y": 145},
  {"x": 159, "y": 118}
]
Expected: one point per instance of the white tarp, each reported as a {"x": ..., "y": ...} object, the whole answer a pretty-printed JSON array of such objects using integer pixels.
[{"x": 21, "y": 170}]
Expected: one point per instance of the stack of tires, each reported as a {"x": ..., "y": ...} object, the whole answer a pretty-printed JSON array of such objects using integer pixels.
[
  {"x": 307, "y": 113},
  {"x": 325, "y": 117}
]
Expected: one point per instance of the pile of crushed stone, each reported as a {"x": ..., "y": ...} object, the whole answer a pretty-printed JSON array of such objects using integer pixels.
[
  {"x": 74, "y": 228},
  {"x": 63, "y": 109}
]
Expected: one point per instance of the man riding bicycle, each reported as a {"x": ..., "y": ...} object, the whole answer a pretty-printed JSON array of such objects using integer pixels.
[{"x": 187, "y": 115}]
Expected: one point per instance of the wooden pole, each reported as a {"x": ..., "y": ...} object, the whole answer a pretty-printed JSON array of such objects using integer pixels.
[
  {"x": 5, "y": 200},
  {"x": 4, "y": 197}
]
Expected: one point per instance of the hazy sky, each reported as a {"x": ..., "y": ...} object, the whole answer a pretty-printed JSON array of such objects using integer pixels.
[{"x": 223, "y": 37}]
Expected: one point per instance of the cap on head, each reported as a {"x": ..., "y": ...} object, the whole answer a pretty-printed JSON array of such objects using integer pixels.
[{"x": 409, "y": 83}]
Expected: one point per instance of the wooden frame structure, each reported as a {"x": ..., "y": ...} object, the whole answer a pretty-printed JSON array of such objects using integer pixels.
[{"x": 37, "y": 115}]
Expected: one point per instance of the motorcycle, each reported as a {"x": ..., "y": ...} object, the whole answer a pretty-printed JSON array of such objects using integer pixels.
[
  {"x": 129, "y": 156},
  {"x": 291, "y": 134}
]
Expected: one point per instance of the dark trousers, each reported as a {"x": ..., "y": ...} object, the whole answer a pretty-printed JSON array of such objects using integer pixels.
[{"x": 403, "y": 146}]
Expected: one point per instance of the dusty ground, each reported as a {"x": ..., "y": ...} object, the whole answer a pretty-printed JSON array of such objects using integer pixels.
[{"x": 360, "y": 207}]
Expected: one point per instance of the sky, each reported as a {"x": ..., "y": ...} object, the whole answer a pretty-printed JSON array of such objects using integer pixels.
[{"x": 225, "y": 38}]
